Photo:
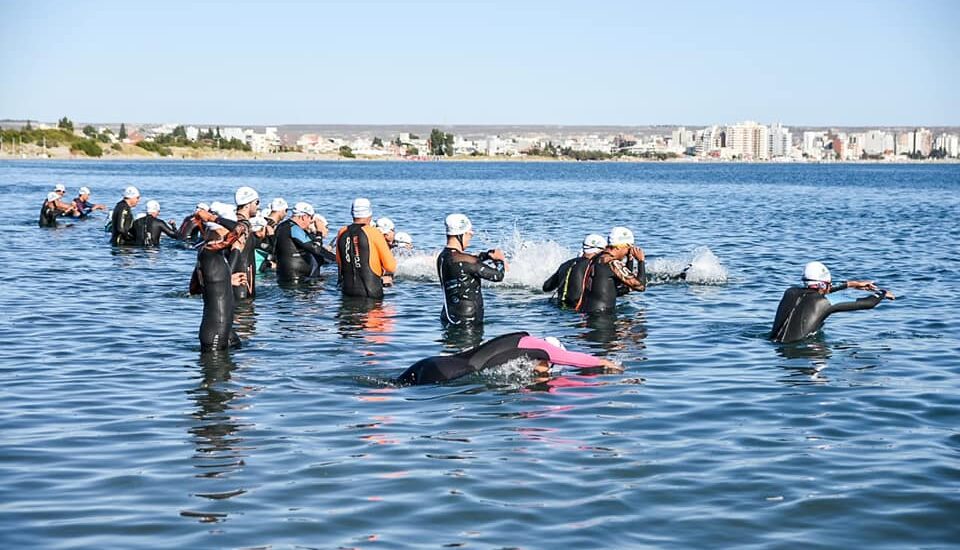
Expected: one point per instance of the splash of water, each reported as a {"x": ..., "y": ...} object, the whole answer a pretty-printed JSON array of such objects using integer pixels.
[
  {"x": 701, "y": 265},
  {"x": 533, "y": 262}
]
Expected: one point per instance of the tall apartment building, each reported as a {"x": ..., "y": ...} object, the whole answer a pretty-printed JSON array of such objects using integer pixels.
[
  {"x": 749, "y": 140},
  {"x": 781, "y": 141}
]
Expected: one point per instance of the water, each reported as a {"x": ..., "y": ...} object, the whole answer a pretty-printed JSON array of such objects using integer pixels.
[{"x": 116, "y": 432}]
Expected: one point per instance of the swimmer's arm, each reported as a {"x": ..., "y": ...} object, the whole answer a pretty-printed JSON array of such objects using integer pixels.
[
  {"x": 487, "y": 272},
  {"x": 229, "y": 224},
  {"x": 167, "y": 230},
  {"x": 868, "y": 302},
  {"x": 560, "y": 356},
  {"x": 627, "y": 277},
  {"x": 553, "y": 282}
]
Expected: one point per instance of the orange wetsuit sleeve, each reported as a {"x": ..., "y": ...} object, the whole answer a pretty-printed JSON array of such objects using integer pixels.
[
  {"x": 336, "y": 243},
  {"x": 381, "y": 259}
]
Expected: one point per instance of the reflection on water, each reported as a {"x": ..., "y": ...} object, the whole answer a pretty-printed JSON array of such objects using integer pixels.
[
  {"x": 216, "y": 433},
  {"x": 456, "y": 338},
  {"x": 245, "y": 320},
  {"x": 813, "y": 354},
  {"x": 614, "y": 332}
]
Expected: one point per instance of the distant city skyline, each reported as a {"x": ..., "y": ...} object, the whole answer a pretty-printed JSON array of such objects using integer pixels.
[{"x": 866, "y": 64}]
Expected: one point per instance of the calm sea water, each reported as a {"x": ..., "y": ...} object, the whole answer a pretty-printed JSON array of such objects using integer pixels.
[{"x": 116, "y": 432}]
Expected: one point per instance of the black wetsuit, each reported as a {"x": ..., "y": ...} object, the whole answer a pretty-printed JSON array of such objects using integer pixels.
[
  {"x": 243, "y": 261},
  {"x": 356, "y": 277},
  {"x": 296, "y": 254},
  {"x": 495, "y": 352},
  {"x": 190, "y": 231},
  {"x": 147, "y": 231},
  {"x": 568, "y": 281},
  {"x": 121, "y": 224},
  {"x": 601, "y": 286},
  {"x": 83, "y": 207},
  {"x": 216, "y": 328},
  {"x": 460, "y": 275},
  {"x": 48, "y": 214},
  {"x": 802, "y": 311}
]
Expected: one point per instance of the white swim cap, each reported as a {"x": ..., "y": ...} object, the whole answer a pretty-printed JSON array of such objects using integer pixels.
[
  {"x": 302, "y": 208},
  {"x": 361, "y": 208},
  {"x": 265, "y": 212},
  {"x": 403, "y": 238},
  {"x": 458, "y": 224},
  {"x": 816, "y": 272},
  {"x": 83, "y": 191},
  {"x": 131, "y": 192},
  {"x": 257, "y": 223},
  {"x": 620, "y": 236},
  {"x": 224, "y": 210},
  {"x": 594, "y": 243},
  {"x": 52, "y": 196},
  {"x": 60, "y": 188},
  {"x": 153, "y": 206},
  {"x": 555, "y": 342},
  {"x": 202, "y": 206},
  {"x": 278, "y": 205},
  {"x": 320, "y": 219},
  {"x": 385, "y": 225},
  {"x": 245, "y": 195}
]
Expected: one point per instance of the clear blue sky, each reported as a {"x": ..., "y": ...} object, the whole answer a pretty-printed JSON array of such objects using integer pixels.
[{"x": 813, "y": 62}]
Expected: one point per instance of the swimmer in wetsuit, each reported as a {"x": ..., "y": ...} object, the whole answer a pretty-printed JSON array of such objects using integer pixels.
[
  {"x": 364, "y": 260},
  {"x": 388, "y": 229},
  {"x": 242, "y": 259},
  {"x": 608, "y": 276},
  {"x": 191, "y": 228},
  {"x": 148, "y": 229},
  {"x": 803, "y": 310},
  {"x": 214, "y": 280},
  {"x": 568, "y": 279},
  {"x": 297, "y": 254},
  {"x": 49, "y": 211},
  {"x": 460, "y": 273},
  {"x": 83, "y": 205},
  {"x": 121, "y": 221},
  {"x": 496, "y": 352}
]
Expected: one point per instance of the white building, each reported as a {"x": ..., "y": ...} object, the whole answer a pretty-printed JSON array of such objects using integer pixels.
[
  {"x": 233, "y": 133},
  {"x": 193, "y": 133},
  {"x": 749, "y": 140},
  {"x": 950, "y": 143},
  {"x": 708, "y": 141},
  {"x": 781, "y": 141},
  {"x": 813, "y": 144}
]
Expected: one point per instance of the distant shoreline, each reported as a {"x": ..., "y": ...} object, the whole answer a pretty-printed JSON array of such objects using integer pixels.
[{"x": 135, "y": 154}]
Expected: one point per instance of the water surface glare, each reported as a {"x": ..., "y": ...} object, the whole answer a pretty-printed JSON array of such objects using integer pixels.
[{"x": 116, "y": 432}]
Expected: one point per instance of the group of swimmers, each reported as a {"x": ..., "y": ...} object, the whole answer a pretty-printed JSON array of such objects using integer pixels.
[{"x": 236, "y": 242}]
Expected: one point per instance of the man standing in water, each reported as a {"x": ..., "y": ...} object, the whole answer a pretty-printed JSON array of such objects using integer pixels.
[
  {"x": 121, "y": 222},
  {"x": 242, "y": 259},
  {"x": 460, "y": 273},
  {"x": 608, "y": 276},
  {"x": 365, "y": 261},
  {"x": 803, "y": 309},
  {"x": 568, "y": 279}
]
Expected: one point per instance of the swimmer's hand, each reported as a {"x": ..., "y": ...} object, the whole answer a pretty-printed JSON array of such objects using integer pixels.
[
  {"x": 387, "y": 280},
  {"x": 862, "y": 285},
  {"x": 238, "y": 279},
  {"x": 889, "y": 295},
  {"x": 497, "y": 254},
  {"x": 637, "y": 253},
  {"x": 610, "y": 367}
]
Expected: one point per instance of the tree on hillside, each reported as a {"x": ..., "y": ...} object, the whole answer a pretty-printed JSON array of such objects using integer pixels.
[
  {"x": 89, "y": 131},
  {"x": 377, "y": 142},
  {"x": 28, "y": 127},
  {"x": 440, "y": 143},
  {"x": 65, "y": 124},
  {"x": 123, "y": 131},
  {"x": 179, "y": 132}
]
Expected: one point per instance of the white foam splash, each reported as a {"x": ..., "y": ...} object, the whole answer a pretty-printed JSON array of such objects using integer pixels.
[
  {"x": 704, "y": 268},
  {"x": 533, "y": 262}
]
